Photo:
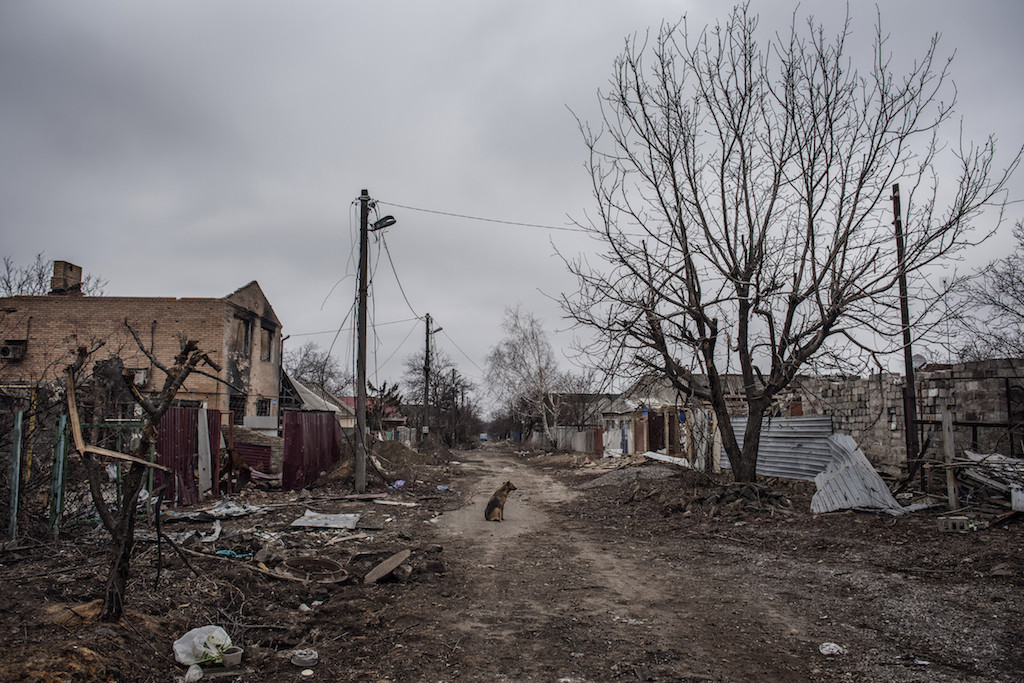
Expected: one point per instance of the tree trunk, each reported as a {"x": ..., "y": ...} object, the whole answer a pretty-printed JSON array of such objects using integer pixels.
[
  {"x": 745, "y": 467},
  {"x": 124, "y": 543}
]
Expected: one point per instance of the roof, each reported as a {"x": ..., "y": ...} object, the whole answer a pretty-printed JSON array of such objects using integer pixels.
[
  {"x": 392, "y": 412},
  {"x": 310, "y": 401}
]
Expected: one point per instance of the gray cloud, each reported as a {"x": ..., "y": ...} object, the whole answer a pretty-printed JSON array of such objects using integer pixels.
[{"x": 185, "y": 148}]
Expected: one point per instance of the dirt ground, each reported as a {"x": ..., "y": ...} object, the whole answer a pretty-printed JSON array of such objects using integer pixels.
[{"x": 598, "y": 573}]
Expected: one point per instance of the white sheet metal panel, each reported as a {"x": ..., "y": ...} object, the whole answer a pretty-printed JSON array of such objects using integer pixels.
[
  {"x": 790, "y": 447},
  {"x": 851, "y": 483}
]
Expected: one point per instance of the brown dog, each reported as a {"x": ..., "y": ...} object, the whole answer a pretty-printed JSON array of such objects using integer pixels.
[{"x": 495, "y": 511}]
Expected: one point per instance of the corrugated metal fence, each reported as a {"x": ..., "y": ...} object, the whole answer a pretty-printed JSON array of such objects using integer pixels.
[
  {"x": 790, "y": 447},
  {"x": 177, "y": 446},
  {"x": 312, "y": 444}
]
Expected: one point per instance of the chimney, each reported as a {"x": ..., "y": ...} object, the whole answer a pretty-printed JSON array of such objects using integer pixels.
[{"x": 67, "y": 279}]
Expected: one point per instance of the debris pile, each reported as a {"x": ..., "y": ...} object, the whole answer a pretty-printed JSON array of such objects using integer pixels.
[
  {"x": 733, "y": 501},
  {"x": 991, "y": 481}
]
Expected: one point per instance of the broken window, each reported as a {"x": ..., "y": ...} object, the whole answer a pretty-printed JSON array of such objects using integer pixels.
[
  {"x": 186, "y": 403},
  {"x": 236, "y": 404},
  {"x": 242, "y": 336},
  {"x": 263, "y": 407},
  {"x": 266, "y": 344}
]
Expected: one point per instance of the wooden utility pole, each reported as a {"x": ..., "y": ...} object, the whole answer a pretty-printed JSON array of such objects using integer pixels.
[
  {"x": 425, "y": 427},
  {"x": 909, "y": 386},
  {"x": 365, "y": 229},
  {"x": 364, "y": 219}
]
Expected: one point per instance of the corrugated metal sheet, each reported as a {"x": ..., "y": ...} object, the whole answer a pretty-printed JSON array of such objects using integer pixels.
[
  {"x": 312, "y": 444},
  {"x": 850, "y": 482},
  {"x": 177, "y": 446},
  {"x": 255, "y": 456},
  {"x": 790, "y": 447}
]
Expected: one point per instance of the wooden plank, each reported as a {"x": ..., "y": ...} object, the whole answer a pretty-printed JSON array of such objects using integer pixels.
[
  {"x": 76, "y": 432},
  {"x": 387, "y": 566},
  {"x": 12, "y": 528},
  {"x": 127, "y": 458},
  {"x": 76, "y": 425},
  {"x": 949, "y": 449}
]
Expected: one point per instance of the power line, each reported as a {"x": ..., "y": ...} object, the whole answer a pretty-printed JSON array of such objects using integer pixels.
[
  {"x": 486, "y": 220},
  {"x": 463, "y": 352},
  {"x": 400, "y": 288},
  {"x": 349, "y": 329},
  {"x": 401, "y": 344}
]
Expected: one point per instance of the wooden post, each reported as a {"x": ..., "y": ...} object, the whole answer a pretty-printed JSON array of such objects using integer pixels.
[
  {"x": 60, "y": 456},
  {"x": 949, "y": 449},
  {"x": 360, "y": 465},
  {"x": 12, "y": 529}
]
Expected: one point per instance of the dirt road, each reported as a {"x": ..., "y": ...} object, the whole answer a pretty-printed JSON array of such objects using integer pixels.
[
  {"x": 546, "y": 596},
  {"x": 597, "y": 574},
  {"x": 600, "y": 584}
]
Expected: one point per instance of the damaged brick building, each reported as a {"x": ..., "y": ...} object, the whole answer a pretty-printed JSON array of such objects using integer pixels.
[{"x": 39, "y": 336}]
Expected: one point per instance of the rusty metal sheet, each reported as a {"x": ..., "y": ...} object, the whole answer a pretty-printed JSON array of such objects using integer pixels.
[
  {"x": 312, "y": 444},
  {"x": 256, "y": 456},
  {"x": 176, "y": 447}
]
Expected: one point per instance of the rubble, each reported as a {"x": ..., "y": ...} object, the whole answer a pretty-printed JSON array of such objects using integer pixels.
[
  {"x": 991, "y": 479},
  {"x": 737, "y": 500}
]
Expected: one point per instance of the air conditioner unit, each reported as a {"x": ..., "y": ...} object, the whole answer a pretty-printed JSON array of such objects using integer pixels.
[
  {"x": 141, "y": 376},
  {"x": 12, "y": 352}
]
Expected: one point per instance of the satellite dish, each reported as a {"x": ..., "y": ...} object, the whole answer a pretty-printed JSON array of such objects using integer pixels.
[{"x": 919, "y": 360}]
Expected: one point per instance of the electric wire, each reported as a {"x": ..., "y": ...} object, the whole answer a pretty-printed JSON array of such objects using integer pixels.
[
  {"x": 393, "y": 270},
  {"x": 400, "y": 345},
  {"x": 485, "y": 220},
  {"x": 349, "y": 329},
  {"x": 448, "y": 337}
]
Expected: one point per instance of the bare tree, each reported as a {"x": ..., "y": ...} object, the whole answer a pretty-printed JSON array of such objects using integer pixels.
[
  {"x": 742, "y": 193},
  {"x": 312, "y": 363},
  {"x": 451, "y": 405},
  {"x": 522, "y": 372},
  {"x": 994, "y": 307},
  {"x": 119, "y": 519},
  {"x": 34, "y": 279}
]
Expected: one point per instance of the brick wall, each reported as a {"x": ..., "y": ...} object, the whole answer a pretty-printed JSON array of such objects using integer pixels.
[{"x": 53, "y": 327}]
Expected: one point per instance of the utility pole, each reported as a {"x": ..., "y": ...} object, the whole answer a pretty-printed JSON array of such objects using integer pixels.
[
  {"x": 910, "y": 386},
  {"x": 364, "y": 249},
  {"x": 364, "y": 229},
  {"x": 425, "y": 427}
]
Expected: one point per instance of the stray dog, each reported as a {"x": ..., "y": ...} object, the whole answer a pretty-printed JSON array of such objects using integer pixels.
[{"x": 495, "y": 511}]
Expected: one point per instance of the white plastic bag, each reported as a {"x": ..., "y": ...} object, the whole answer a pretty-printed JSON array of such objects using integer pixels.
[{"x": 202, "y": 645}]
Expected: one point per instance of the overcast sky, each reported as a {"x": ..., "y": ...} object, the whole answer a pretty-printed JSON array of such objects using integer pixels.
[{"x": 186, "y": 148}]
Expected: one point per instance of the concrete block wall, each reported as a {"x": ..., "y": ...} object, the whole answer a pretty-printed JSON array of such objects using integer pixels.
[{"x": 871, "y": 409}]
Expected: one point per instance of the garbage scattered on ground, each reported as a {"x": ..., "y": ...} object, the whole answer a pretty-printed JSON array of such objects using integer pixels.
[
  {"x": 202, "y": 645},
  {"x": 313, "y": 569},
  {"x": 831, "y": 649},
  {"x": 225, "y": 508},
  {"x": 387, "y": 566},
  {"x": 213, "y": 535},
  {"x": 305, "y": 658},
  {"x": 341, "y": 520}
]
